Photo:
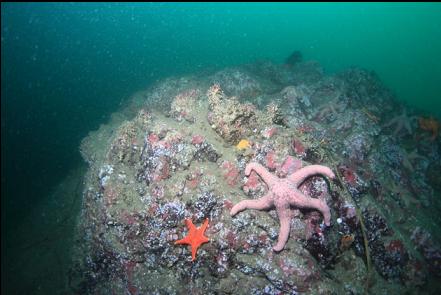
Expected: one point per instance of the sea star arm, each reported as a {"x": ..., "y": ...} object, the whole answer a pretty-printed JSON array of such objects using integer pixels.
[
  {"x": 391, "y": 122},
  {"x": 204, "y": 226},
  {"x": 321, "y": 112},
  {"x": 194, "y": 250},
  {"x": 267, "y": 177},
  {"x": 262, "y": 203},
  {"x": 299, "y": 176},
  {"x": 298, "y": 199},
  {"x": 408, "y": 127},
  {"x": 202, "y": 230},
  {"x": 190, "y": 225},
  {"x": 191, "y": 231},
  {"x": 184, "y": 241},
  {"x": 400, "y": 125},
  {"x": 333, "y": 110},
  {"x": 284, "y": 214}
]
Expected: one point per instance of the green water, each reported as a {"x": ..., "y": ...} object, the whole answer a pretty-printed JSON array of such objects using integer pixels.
[{"x": 66, "y": 67}]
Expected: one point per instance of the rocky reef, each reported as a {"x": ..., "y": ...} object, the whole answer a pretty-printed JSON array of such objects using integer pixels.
[{"x": 178, "y": 151}]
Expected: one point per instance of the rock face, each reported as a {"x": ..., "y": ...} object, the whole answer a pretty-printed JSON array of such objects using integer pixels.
[{"x": 172, "y": 155}]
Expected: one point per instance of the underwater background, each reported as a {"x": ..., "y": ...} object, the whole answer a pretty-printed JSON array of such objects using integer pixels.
[{"x": 66, "y": 67}]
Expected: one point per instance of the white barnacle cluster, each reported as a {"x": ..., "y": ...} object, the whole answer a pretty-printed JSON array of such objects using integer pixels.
[{"x": 104, "y": 174}]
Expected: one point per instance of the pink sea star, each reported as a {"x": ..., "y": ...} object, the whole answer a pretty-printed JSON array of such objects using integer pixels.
[
  {"x": 401, "y": 122},
  {"x": 284, "y": 193},
  {"x": 333, "y": 107}
]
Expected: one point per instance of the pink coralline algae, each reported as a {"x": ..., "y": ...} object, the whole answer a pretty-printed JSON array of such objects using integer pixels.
[
  {"x": 270, "y": 160},
  {"x": 284, "y": 193},
  {"x": 197, "y": 139},
  {"x": 153, "y": 138},
  {"x": 396, "y": 246},
  {"x": 298, "y": 147},
  {"x": 269, "y": 132},
  {"x": 349, "y": 175},
  {"x": 232, "y": 173},
  {"x": 252, "y": 184},
  {"x": 162, "y": 170},
  {"x": 290, "y": 165},
  {"x": 431, "y": 252},
  {"x": 193, "y": 180}
]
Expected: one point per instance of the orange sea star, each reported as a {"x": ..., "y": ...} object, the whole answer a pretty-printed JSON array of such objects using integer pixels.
[
  {"x": 430, "y": 124},
  {"x": 195, "y": 237}
]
